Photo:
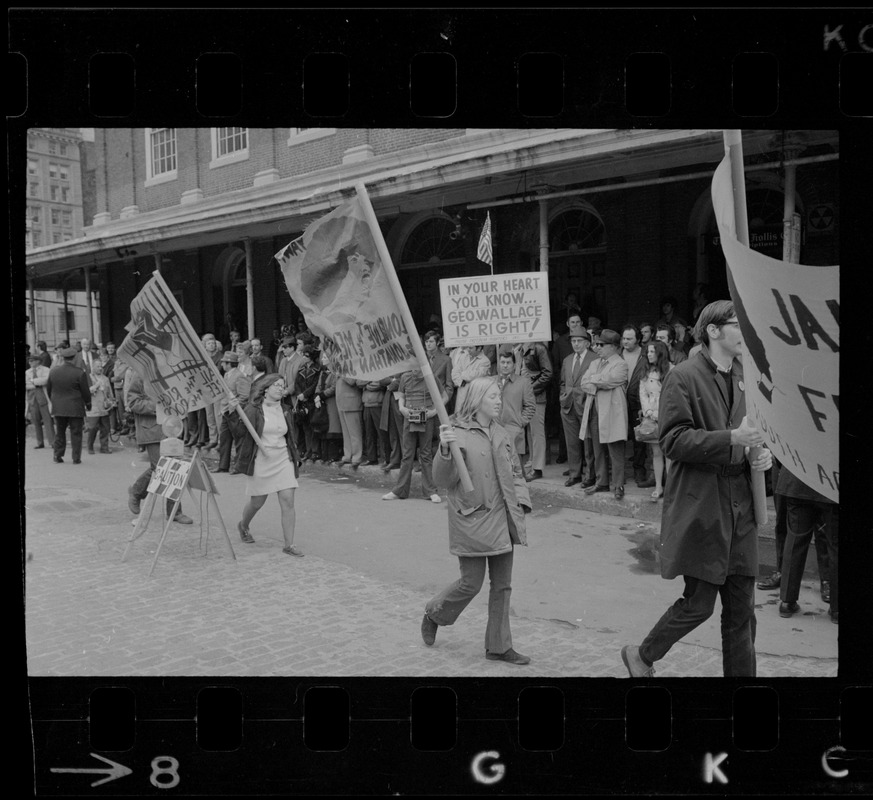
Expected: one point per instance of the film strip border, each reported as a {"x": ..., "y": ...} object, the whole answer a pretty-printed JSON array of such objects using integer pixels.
[
  {"x": 566, "y": 67},
  {"x": 367, "y": 736}
]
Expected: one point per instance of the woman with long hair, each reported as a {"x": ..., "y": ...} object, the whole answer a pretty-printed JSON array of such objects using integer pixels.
[
  {"x": 658, "y": 357},
  {"x": 485, "y": 524},
  {"x": 272, "y": 468}
]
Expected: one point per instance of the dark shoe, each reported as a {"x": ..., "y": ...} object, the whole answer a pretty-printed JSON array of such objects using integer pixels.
[
  {"x": 58, "y": 460},
  {"x": 572, "y": 481},
  {"x": 105, "y": 452},
  {"x": 133, "y": 502},
  {"x": 91, "y": 451},
  {"x": 619, "y": 493},
  {"x": 292, "y": 551},
  {"x": 649, "y": 484},
  {"x": 218, "y": 469},
  {"x": 39, "y": 447},
  {"x": 510, "y": 657},
  {"x": 355, "y": 464},
  {"x": 428, "y": 630},
  {"x": 788, "y": 609},
  {"x": 211, "y": 446},
  {"x": 636, "y": 667},
  {"x": 773, "y": 581},
  {"x": 77, "y": 460},
  {"x": 596, "y": 488},
  {"x": 536, "y": 474},
  {"x": 244, "y": 533},
  {"x": 560, "y": 460},
  {"x": 826, "y": 591}
]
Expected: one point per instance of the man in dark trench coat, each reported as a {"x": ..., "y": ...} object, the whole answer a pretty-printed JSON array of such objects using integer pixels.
[{"x": 708, "y": 530}]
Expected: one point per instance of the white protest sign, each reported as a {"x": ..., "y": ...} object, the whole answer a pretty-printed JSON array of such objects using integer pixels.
[
  {"x": 169, "y": 477},
  {"x": 496, "y": 309},
  {"x": 790, "y": 319}
]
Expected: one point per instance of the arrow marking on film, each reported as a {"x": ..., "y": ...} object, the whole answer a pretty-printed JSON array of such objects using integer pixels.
[{"x": 115, "y": 770}]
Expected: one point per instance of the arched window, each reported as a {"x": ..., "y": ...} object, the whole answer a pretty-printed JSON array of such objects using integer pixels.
[
  {"x": 576, "y": 229},
  {"x": 433, "y": 241}
]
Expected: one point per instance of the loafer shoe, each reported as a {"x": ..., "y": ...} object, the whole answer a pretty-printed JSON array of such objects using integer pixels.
[
  {"x": 510, "y": 657},
  {"x": 619, "y": 493},
  {"x": 788, "y": 609},
  {"x": 826, "y": 591},
  {"x": 772, "y": 581},
  {"x": 586, "y": 484},
  {"x": 649, "y": 484},
  {"x": 572, "y": 481},
  {"x": 596, "y": 488},
  {"x": 636, "y": 667},
  {"x": 183, "y": 519},
  {"x": 536, "y": 474},
  {"x": 428, "y": 630}
]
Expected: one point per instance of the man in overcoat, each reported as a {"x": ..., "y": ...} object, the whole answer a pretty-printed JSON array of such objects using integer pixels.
[
  {"x": 68, "y": 390},
  {"x": 604, "y": 420},
  {"x": 708, "y": 530}
]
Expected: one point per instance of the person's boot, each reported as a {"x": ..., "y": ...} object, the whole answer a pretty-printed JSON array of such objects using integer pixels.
[{"x": 182, "y": 519}]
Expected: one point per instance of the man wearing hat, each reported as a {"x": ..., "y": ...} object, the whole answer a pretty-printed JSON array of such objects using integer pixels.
[
  {"x": 571, "y": 399},
  {"x": 605, "y": 416},
  {"x": 69, "y": 392},
  {"x": 35, "y": 379}
]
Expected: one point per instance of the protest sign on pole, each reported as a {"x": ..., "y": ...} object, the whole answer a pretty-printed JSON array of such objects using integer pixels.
[
  {"x": 164, "y": 349},
  {"x": 789, "y": 318},
  {"x": 496, "y": 309},
  {"x": 340, "y": 275}
]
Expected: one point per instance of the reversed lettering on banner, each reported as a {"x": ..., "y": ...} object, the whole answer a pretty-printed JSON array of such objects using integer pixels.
[
  {"x": 789, "y": 316},
  {"x": 496, "y": 309},
  {"x": 336, "y": 278}
]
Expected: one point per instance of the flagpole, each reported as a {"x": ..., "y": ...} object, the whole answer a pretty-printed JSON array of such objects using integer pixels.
[
  {"x": 733, "y": 142},
  {"x": 193, "y": 334},
  {"x": 417, "y": 346}
]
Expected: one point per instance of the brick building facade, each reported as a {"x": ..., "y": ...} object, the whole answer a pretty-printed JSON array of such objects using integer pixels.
[{"x": 619, "y": 218}]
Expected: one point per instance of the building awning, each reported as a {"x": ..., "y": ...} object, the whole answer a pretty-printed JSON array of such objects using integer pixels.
[{"x": 474, "y": 168}]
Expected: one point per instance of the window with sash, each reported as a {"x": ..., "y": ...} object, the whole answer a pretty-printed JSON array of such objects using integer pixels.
[{"x": 161, "y": 163}]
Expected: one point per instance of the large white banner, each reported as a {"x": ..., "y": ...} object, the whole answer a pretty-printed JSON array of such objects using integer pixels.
[
  {"x": 790, "y": 320},
  {"x": 494, "y": 309}
]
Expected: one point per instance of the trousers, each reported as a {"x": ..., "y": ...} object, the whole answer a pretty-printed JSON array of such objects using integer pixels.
[
  {"x": 75, "y": 424},
  {"x": 423, "y": 442},
  {"x": 807, "y": 518},
  {"x": 696, "y": 606},
  {"x": 446, "y": 606}
]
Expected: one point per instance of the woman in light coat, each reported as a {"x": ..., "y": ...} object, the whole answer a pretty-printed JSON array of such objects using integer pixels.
[{"x": 485, "y": 524}]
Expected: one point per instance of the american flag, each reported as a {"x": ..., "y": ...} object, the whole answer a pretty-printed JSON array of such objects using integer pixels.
[{"x": 484, "y": 251}]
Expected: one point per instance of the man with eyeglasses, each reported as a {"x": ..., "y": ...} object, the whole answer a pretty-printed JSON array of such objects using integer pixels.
[{"x": 708, "y": 530}]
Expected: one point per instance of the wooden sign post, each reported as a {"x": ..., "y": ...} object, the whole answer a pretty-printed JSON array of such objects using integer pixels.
[{"x": 171, "y": 478}]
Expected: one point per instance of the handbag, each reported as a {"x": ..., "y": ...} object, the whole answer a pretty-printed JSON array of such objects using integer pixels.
[{"x": 646, "y": 431}]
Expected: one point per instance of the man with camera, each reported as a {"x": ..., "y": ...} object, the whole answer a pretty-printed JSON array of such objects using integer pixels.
[{"x": 419, "y": 429}]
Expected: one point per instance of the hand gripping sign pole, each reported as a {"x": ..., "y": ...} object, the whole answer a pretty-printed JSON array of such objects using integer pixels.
[
  {"x": 184, "y": 320},
  {"x": 733, "y": 142},
  {"x": 420, "y": 354}
]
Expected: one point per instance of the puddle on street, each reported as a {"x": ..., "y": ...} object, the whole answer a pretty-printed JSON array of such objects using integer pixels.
[{"x": 645, "y": 550}]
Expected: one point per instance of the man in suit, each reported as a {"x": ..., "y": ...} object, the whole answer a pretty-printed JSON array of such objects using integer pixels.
[
  {"x": 572, "y": 402},
  {"x": 85, "y": 358},
  {"x": 35, "y": 379},
  {"x": 519, "y": 406},
  {"x": 561, "y": 348},
  {"x": 68, "y": 390},
  {"x": 605, "y": 416},
  {"x": 258, "y": 350}
]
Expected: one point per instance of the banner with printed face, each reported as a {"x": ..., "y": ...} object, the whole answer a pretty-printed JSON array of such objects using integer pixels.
[
  {"x": 169, "y": 477},
  {"x": 164, "y": 349},
  {"x": 496, "y": 309},
  {"x": 789, "y": 316},
  {"x": 336, "y": 278}
]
